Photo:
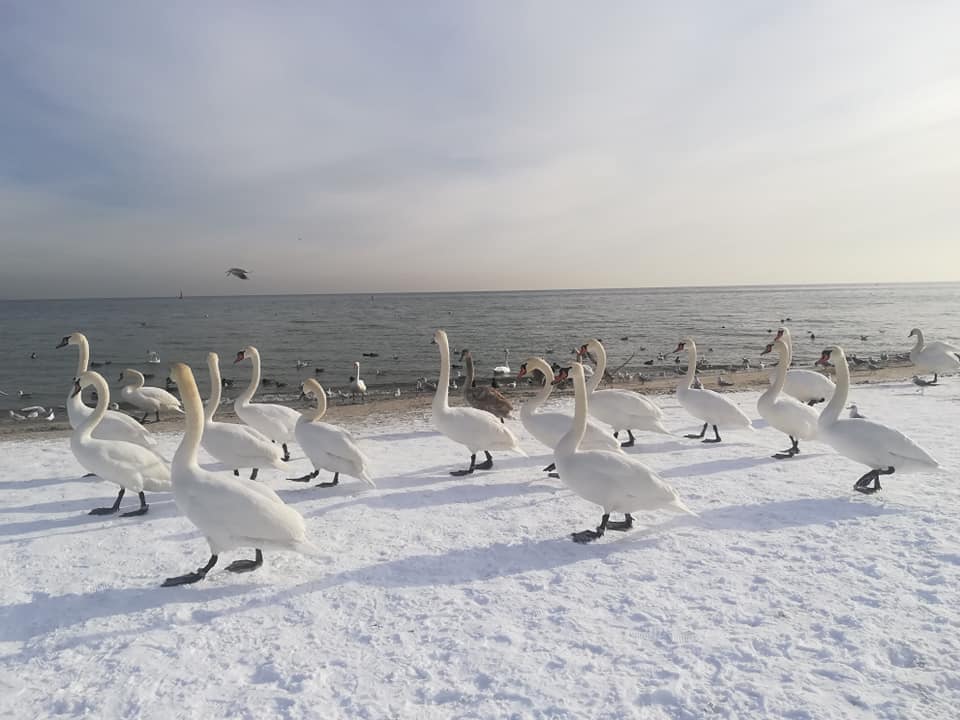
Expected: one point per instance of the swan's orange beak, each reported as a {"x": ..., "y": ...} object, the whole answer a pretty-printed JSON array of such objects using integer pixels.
[
  {"x": 76, "y": 388},
  {"x": 563, "y": 375},
  {"x": 779, "y": 334},
  {"x": 679, "y": 347},
  {"x": 768, "y": 348},
  {"x": 239, "y": 358},
  {"x": 824, "y": 359},
  {"x": 523, "y": 371}
]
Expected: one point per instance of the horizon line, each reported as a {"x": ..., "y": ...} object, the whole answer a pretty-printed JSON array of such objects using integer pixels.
[{"x": 374, "y": 293}]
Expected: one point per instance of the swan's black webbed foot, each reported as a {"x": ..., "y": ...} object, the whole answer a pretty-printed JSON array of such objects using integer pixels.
[
  {"x": 143, "y": 420},
  {"x": 286, "y": 453},
  {"x": 553, "y": 475},
  {"x": 863, "y": 484},
  {"x": 90, "y": 475},
  {"x": 305, "y": 478},
  {"x": 253, "y": 475},
  {"x": 703, "y": 431},
  {"x": 621, "y": 525},
  {"x": 335, "y": 481},
  {"x": 586, "y": 536},
  {"x": 785, "y": 455},
  {"x": 486, "y": 464},
  {"x": 716, "y": 435},
  {"x": 242, "y": 566},
  {"x": 236, "y": 473},
  {"x": 469, "y": 470},
  {"x": 142, "y": 510},
  {"x": 630, "y": 442},
  {"x": 193, "y": 577},
  {"x": 109, "y": 510},
  {"x": 550, "y": 468}
]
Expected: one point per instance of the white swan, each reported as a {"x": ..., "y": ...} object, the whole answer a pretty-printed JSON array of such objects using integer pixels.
[
  {"x": 505, "y": 368},
  {"x": 235, "y": 445},
  {"x": 328, "y": 446},
  {"x": 712, "y": 408},
  {"x": 475, "y": 429},
  {"x": 785, "y": 413},
  {"x": 357, "y": 386},
  {"x": 613, "y": 480},
  {"x": 621, "y": 409},
  {"x": 148, "y": 399},
  {"x": 277, "y": 422},
  {"x": 881, "y": 448},
  {"x": 115, "y": 425},
  {"x": 130, "y": 466},
  {"x": 807, "y": 386},
  {"x": 230, "y": 512},
  {"x": 550, "y": 427},
  {"x": 935, "y": 357}
]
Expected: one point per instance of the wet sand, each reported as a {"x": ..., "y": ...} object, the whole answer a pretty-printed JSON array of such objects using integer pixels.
[{"x": 418, "y": 403}]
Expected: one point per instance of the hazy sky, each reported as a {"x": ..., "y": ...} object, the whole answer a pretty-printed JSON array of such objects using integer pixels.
[{"x": 327, "y": 147}]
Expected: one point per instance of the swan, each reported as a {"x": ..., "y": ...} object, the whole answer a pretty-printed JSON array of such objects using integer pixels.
[
  {"x": 230, "y": 512},
  {"x": 935, "y": 357},
  {"x": 148, "y": 399},
  {"x": 881, "y": 448},
  {"x": 482, "y": 397},
  {"x": 235, "y": 445},
  {"x": 621, "y": 409},
  {"x": 807, "y": 386},
  {"x": 613, "y": 480},
  {"x": 550, "y": 427},
  {"x": 277, "y": 422},
  {"x": 357, "y": 386},
  {"x": 505, "y": 368},
  {"x": 130, "y": 466},
  {"x": 114, "y": 425},
  {"x": 475, "y": 429},
  {"x": 327, "y": 446},
  {"x": 785, "y": 413},
  {"x": 713, "y": 408}
]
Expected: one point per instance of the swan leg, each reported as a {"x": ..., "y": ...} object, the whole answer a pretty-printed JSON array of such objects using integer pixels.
[
  {"x": 142, "y": 510},
  {"x": 305, "y": 478},
  {"x": 143, "y": 420},
  {"x": 193, "y": 577},
  {"x": 488, "y": 463},
  {"x": 473, "y": 466},
  {"x": 585, "y": 536},
  {"x": 109, "y": 510},
  {"x": 239, "y": 566},
  {"x": 628, "y": 443},
  {"x": 286, "y": 453},
  {"x": 253, "y": 475},
  {"x": 703, "y": 431},
  {"x": 716, "y": 437},
  {"x": 158, "y": 415},
  {"x": 794, "y": 449},
  {"x": 335, "y": 481},
  {"x": 863, "y": 484},
  {"x": 621, "y": 525}
]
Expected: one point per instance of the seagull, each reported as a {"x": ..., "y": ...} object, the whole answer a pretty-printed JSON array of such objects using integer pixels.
[
  {"x": 854, "y": 412},
  {"x": 302, "y": 364},
  {"x": 238, "y": 272}
]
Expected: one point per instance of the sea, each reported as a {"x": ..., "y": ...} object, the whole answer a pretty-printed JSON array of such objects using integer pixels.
[{"x": 390, "y": 334}]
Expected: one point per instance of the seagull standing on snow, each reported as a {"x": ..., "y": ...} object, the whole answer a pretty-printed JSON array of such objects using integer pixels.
[{"x": 239, "y": 272}]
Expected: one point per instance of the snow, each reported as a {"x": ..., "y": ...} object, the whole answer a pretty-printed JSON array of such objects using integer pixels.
[{"x": 440, "y": 597}]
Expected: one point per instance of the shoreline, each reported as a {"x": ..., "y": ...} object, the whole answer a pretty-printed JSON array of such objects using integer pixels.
[{"x": 381, "y": 410}]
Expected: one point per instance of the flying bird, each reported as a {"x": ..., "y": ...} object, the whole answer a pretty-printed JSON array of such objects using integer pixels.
[{"x": 239, "y": 272}]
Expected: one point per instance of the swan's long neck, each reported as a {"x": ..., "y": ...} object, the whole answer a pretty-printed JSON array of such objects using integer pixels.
[
  {"x": 215, "y": 390},
  {"x": 571, "y": 441},
  {"x": 691, "y": 364},
  {"x": 83, "y": 356},
  {"x": 831, "y": 412},
  {"x": 918, "y": 346},
  {"x": 309, "y": 415},
  {"x": 254, "y": 378},
  {"x": 186, "y": 453},
  {"x": 781, "y": 376},
  {"x": 441, "y": 397},
  {"x": 601, "y": 368},
  {"x": 90, "y": 423},
  {"x": 531, "y": 405}
]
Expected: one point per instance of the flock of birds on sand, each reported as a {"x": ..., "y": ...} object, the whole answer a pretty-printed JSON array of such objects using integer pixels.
[{"x": 233, "y": 511}]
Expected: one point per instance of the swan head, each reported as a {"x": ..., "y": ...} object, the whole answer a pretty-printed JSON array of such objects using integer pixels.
[
  {"x": 533, "y": 365},
  {"x": 310, "y": 388},
  {"x": 129, "y": 376},
  {"x": 782, "y": 332},
  {"x": 915, "y": 332},
  {"x": 72, "y": 339},
  {"x": 213, "y": 360},
  {"x": 182, "y": 375},
  {"x": 86, "y": 379},
  {"x": 563, "y": 374},
  {"x": 682, "y": 345},
  {"x": 77, "y": 388},
  {"x": 826, "y": 355},
  {"x": 248, "y": 352},
  {"x": 464, "y": 353},
  {"x": 440, "y": 338}
]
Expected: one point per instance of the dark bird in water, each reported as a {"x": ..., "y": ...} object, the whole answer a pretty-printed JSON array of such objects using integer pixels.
[{"x": 238, "y": 272}]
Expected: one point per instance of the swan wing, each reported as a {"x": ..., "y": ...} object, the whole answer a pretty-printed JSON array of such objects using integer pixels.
[
  {"x": 476, "y": 429},
  {"x": 615, "y": 481}
]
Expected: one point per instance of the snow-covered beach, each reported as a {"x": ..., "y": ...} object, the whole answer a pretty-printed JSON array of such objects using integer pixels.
[{"x": 790, "y": 596}]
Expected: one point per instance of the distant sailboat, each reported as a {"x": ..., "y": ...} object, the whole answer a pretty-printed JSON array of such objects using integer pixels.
[{"x": 181, "y": 295}]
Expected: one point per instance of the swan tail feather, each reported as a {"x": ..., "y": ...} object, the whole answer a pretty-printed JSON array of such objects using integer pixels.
[{"x": 679, "y": 506}]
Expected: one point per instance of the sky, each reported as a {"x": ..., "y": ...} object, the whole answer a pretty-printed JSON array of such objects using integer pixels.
[{"x": 384, "y": 146}]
